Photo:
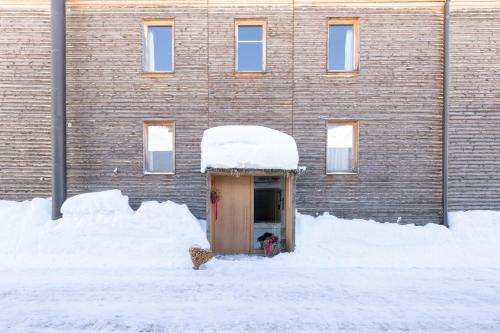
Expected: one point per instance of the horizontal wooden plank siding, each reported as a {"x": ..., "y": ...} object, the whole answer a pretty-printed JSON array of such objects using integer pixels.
[
  {"x": 25, "y": 158},
  {"x": 474, "y": 127},
  {"x": 244, "y": 98},
  {"x": 109, "y": 97},
  {"x": 397, "y": 100}
]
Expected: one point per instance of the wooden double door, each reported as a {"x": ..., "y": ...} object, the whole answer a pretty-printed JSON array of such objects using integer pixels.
[{"x": 232, "y": 229}]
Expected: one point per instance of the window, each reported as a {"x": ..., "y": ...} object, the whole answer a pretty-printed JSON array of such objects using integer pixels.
[
  {"x": 159, "y": 46},
  {"x": 343, "y": 45},
  {"x": 342, "y": 147},
  {"x": 250, "y": 45},
  {"x": 159, "y": 143}
]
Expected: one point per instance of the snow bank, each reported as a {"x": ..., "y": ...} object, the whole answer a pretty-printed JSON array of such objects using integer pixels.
[
  {"x": 105, "y": 202},
  {"x": 474, "y": 225},
  {"x": 248, "y": 147},
  {"x": 478, "y": 233},
  {"x": 473, "y": 240},
  {"x": 97, "y": 230},
  {"x": 100, "y": 230}
]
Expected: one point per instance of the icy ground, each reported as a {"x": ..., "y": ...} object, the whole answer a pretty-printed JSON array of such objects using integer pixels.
[
  {"x": 105, "y": 268},
  {"x": 251, "y": 296}
]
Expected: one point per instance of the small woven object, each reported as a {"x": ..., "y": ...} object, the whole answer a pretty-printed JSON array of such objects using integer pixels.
[{"x": 200, "y": 256}]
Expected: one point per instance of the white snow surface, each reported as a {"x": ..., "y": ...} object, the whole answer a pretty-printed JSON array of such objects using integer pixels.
[
  {"x": 97, "y": 203},
  {"x": 97, "y": 230},
  {"x": 101, "y": 230},
  {"x": 105, "y": 268},
  {"x": 251, "y": 295},
  {"x": 473, "y": 240},
  {"x": 248, "y": 147}
]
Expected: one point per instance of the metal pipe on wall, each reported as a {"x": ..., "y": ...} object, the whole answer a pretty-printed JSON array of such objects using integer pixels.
[
  {"x": 446, "y": 62},
  {"x": 58, "y": 105}
]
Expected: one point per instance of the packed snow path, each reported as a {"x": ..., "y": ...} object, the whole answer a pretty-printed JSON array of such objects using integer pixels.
[{"x": 251, "y": 295}]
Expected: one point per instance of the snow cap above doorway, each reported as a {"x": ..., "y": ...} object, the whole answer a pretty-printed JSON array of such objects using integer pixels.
[{"x": 248, "y": 147}]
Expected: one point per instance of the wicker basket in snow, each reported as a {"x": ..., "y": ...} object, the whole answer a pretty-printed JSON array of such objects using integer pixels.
[{"x": 200, "y": 256}]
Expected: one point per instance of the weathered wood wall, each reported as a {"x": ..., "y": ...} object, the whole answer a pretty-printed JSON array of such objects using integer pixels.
[
  {"x": 397, "y": 99},
  {"x": 109, "y": 98},
  {"x": 474, "y": 128},
  {"x": 25, "y": 165},
  {"x": 259, "y": 99}
]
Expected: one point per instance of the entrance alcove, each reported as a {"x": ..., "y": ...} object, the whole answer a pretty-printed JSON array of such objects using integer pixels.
[{"x": 251, "y": 173}]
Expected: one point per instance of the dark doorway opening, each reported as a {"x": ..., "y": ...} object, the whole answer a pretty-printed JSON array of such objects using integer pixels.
[{"x": 268, "y": 210}]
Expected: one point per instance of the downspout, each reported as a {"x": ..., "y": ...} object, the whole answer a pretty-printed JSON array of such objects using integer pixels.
[
  {"x": 58, "y": 105},
  {"x": 446, "y": 79}
]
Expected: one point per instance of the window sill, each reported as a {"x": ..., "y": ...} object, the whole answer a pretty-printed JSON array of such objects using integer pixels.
[
  {"x": 249, "y": 75},
  {"x": 341, "y": 173},
  {"x": 158, "y": 173},
  {"x": 158, "y": 74},
  {"x": 343, "y": 74}
]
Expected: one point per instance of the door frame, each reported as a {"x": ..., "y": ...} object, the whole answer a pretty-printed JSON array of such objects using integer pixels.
[{"x": 289, "y": 200}]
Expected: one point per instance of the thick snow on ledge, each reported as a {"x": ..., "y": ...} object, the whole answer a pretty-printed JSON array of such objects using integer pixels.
[{"x": 248, "y": 147}]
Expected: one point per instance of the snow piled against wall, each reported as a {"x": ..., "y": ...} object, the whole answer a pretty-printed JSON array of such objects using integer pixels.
[
  {"x": 101, "y": 230},
  {"x": 473, "y": 240},
  {"x": 248, "y": 147},
  {"x": 97, "y": 230}
]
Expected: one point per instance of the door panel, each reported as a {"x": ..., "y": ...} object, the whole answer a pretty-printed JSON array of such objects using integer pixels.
[{"x": 231, "y": 232}]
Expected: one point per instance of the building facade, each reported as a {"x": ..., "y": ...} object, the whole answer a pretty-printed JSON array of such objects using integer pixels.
[{"x": 392, "y": 94}]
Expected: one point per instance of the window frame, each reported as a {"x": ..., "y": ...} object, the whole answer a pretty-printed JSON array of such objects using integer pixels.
[
  {"x": 354, "y": 21},
  {"x": 355, "y": 146},
  {"x": 145, "y": 142},
  {"x": 250, "y": 22},
  {"x": 157, "y": 22}
]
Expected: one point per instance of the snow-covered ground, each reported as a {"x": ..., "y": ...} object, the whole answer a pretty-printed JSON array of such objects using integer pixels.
[
  {"x": 106, "y": 268},
  {"x": 250, "y": 295}
]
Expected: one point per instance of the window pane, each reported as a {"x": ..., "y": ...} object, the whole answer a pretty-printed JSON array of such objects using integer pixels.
[
  {"x": 250, "y": 56},
  {"x": 249, "y": 33},
  {"x": 159, "y": 49},
  {"x": 160, "y": 149},
  {"x": 341, "y": 47},
  {"x": 339, "y": 153}
]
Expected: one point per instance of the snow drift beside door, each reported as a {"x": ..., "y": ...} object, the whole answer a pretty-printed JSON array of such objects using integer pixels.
[{"x": 98, "y": 230}]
